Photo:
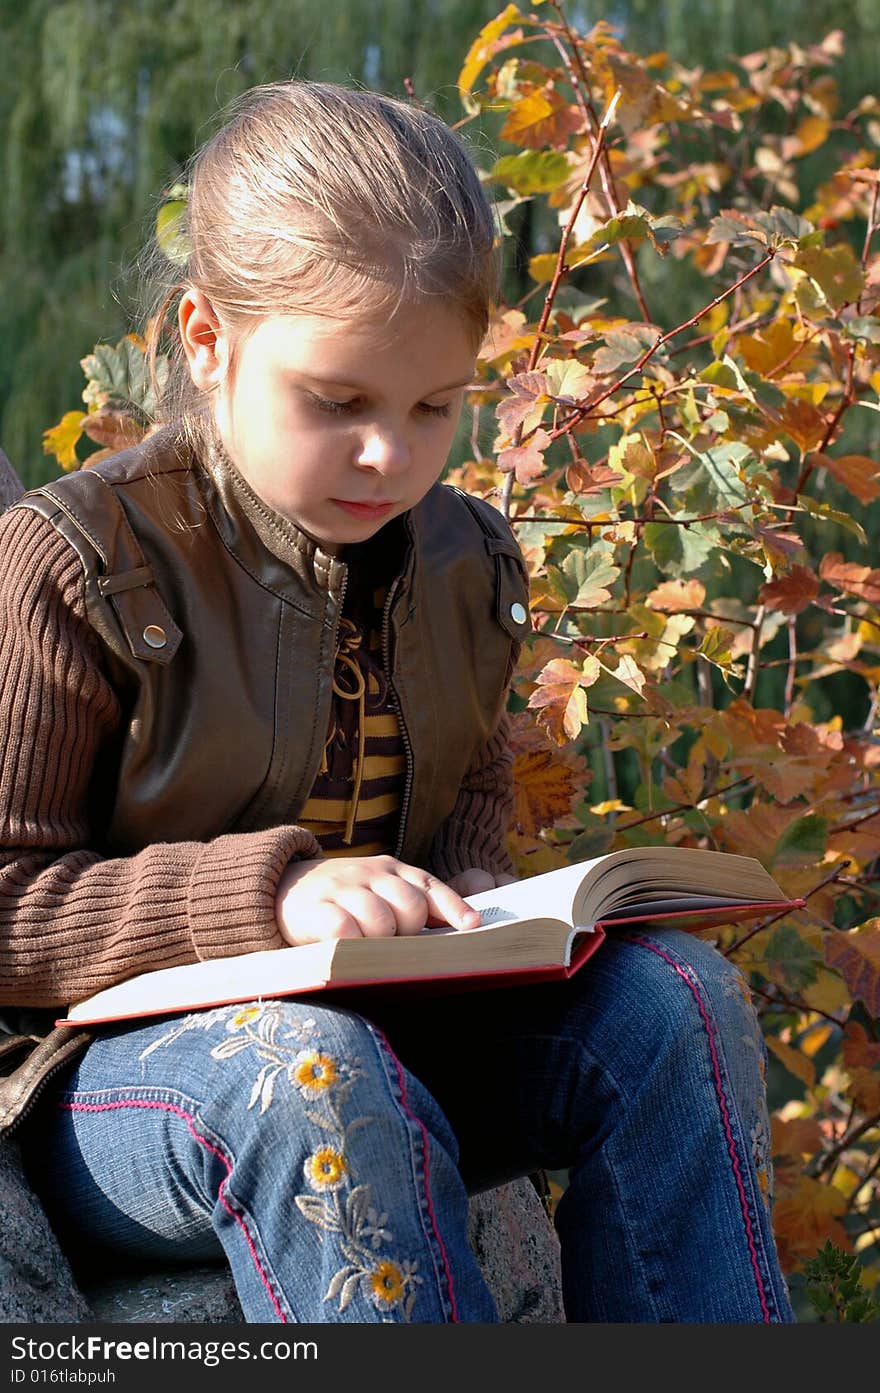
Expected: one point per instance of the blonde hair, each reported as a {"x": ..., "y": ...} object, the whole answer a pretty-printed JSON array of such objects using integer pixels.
[{"x": 319, "y": 199}]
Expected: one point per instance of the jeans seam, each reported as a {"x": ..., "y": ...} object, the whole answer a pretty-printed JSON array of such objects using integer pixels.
[
  {"x": 736, "y": 1167},
  {"x": 421, "y": 1170},
  {"x": 238, "y": 1218}
]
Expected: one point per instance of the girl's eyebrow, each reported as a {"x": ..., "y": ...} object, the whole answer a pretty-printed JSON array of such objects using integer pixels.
[{"x": 361, "y": 387}]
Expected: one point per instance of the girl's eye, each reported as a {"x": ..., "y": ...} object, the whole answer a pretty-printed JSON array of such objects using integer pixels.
[
  {"x": 348, "y": 408},
  {"x": 333, "y": 408}
]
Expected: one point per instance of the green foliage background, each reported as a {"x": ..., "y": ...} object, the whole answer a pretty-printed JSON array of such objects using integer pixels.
[{"x": 103, "y": 101}]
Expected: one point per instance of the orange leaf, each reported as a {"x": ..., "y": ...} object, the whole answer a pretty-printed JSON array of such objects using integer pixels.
[
  {"x": 542, "y": 118},
  {"x": 804, "y": 1216},
  {"x": 856, "y": 955},
  {"x": 858, "y": 473},
  {"x": 526, "y": 461},
  {"x": 673, "y": 596},
  {"x": 544, "y": 789},
  {"x": 792, "y": 592},
  {"x": 804, "y": 424},
  {"x": 114, "y": 429},
  {"x": 798, "y": 1136},
  {"x": 850, "y": 577},
  {"x": 857, "y": 1050},
  {"x": 560, "y": 700}
]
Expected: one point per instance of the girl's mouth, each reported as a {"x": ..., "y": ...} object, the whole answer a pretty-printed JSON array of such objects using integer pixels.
[{"x": 363, "y": 510}]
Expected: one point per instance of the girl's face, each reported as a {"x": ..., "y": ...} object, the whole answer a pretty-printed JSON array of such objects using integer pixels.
[{"x": 337, "y": 425}]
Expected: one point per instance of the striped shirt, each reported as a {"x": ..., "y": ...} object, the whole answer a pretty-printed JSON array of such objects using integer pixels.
[{"x": 354, "y": 805}]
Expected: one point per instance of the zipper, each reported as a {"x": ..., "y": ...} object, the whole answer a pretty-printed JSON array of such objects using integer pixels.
[
  {"x": 64, "y": 1061},
  {"x": 407, "y": 744}
]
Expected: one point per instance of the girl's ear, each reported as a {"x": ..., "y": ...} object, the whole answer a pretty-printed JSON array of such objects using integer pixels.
[{"x": 204, "y": 339}]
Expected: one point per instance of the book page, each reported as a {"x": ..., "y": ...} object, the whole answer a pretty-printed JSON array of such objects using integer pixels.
[
  {"x": 644, "y": 876},
  {"x": 550, "y": 894}
]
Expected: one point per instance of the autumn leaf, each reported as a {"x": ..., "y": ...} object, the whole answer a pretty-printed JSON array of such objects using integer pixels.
[
  {"x": 861, "y": 1058},
  {"x": 532, "y": 171},
  {"x": 796, "y": 1136},
  {"x": 486, "y": 45},
  {"x": 542, "y": 117},
  {"x": 804, "y": 1216},
  {"x": 851, "y": 577},
  {"x": 795, "y": 1062},
  {"x": 544, "y": 787},
  {"x": 116, "y": 430},
  {"x": 560, "y": 699},
  {"x": 628, "y": 672},
  {"x": 835, "y": 270},
  {"x": 525, "y": 461},
  {"x": 792, "y": 592},
  {"x": 675, "y": 596},
  {"x": 61, "y": 440},
  {"x": 858, "y": 473},
  {"x": 856, "y": 955}
]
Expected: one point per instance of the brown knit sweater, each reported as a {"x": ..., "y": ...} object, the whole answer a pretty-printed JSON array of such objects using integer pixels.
[{"x": 71, "y": 922}]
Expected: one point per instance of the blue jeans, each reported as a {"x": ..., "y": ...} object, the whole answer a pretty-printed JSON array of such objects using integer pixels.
[{"x": 330, "y": 1155}]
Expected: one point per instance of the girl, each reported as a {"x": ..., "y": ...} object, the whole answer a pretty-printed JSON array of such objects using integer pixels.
[{"x": 253, "y": 690}]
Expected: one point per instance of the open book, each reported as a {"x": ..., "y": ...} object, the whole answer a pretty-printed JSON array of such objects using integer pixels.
[{"x": 535, "y": 929}]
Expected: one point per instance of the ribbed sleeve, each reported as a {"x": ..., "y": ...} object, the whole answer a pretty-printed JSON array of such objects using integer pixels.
[
  {"x": 475, "y": 833},
  {"x": 71, "y": 922}
]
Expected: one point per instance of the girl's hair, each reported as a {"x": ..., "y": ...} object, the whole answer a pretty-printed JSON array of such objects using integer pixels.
[{"x": 319, "y": 199}]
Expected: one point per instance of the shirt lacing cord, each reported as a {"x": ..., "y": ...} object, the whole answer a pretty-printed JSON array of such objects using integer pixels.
[{"x": 347, "y": 669}]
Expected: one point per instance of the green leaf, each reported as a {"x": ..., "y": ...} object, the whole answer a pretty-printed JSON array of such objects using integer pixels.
[
  {"x": 792, "y": 961},
  {"x": 715, "y": 648},
  {"x": 835, "y": 271},
  {"x": 118, "y": 375},
  {"x": 588, "y": 574},
  {"x": 713, "y": 480},
  {"x": 532, "y": 171},
  {"x": 802, "y": 843},
  {"x": 635, "y": 224},
  {"x": 171, "y": 233},
  {"x": 680, "y": 550},
  {"x": 865, "y": 327},
  {"x": 625, "y": 346},
  {"x": 828, "y": 514}
]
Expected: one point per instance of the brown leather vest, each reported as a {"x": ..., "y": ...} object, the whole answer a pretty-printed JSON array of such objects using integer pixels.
[{"x": 218, "y": 619}]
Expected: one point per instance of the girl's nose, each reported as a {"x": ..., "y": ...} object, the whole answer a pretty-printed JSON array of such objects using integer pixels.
[{"x": 384, "y": 450}]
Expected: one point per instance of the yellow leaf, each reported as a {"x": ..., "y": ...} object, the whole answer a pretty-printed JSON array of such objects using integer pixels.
[
  {"x": 484, "y": 45},
  {"x": 61, "y": 440},
  {"x": 795, "y": 1062}
]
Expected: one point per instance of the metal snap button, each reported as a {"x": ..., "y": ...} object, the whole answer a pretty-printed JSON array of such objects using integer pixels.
[
  {"x": 518, "y": 613},
  {"x": 155, "y": 636}
]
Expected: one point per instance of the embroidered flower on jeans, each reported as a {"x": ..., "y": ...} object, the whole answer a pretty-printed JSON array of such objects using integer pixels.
[
  {"x": 313, "y": 1072},
  {"x": 386, "y": 1283},
  {"x": 374, "y": 1230},
  {"x": 245, "y": 1016},
  {"x": 325, "y": 1169}
]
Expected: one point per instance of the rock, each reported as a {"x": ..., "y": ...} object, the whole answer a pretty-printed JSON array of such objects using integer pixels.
[
  {"x": 36, "y": 1281},
  {"x": 518, "y": 1252},
  {"x": 510, "y": 1233}
]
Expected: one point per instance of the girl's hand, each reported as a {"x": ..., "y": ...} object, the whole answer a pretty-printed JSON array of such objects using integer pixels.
[
  {"x": 473, "y": 881},
  {"x": 364, "y": 897}
]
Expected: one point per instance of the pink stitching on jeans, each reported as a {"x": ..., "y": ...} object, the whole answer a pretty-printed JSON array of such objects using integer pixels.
[
  {"x": 203, "y": 1141},
  {"x": 424, "y": 1131},
  {"x": 722, "y": 1102}
]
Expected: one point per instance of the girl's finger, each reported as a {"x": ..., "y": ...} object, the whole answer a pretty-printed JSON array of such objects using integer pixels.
[
  {"x": 445, "y": 905},
  {"x": 373, "y": 914}
]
